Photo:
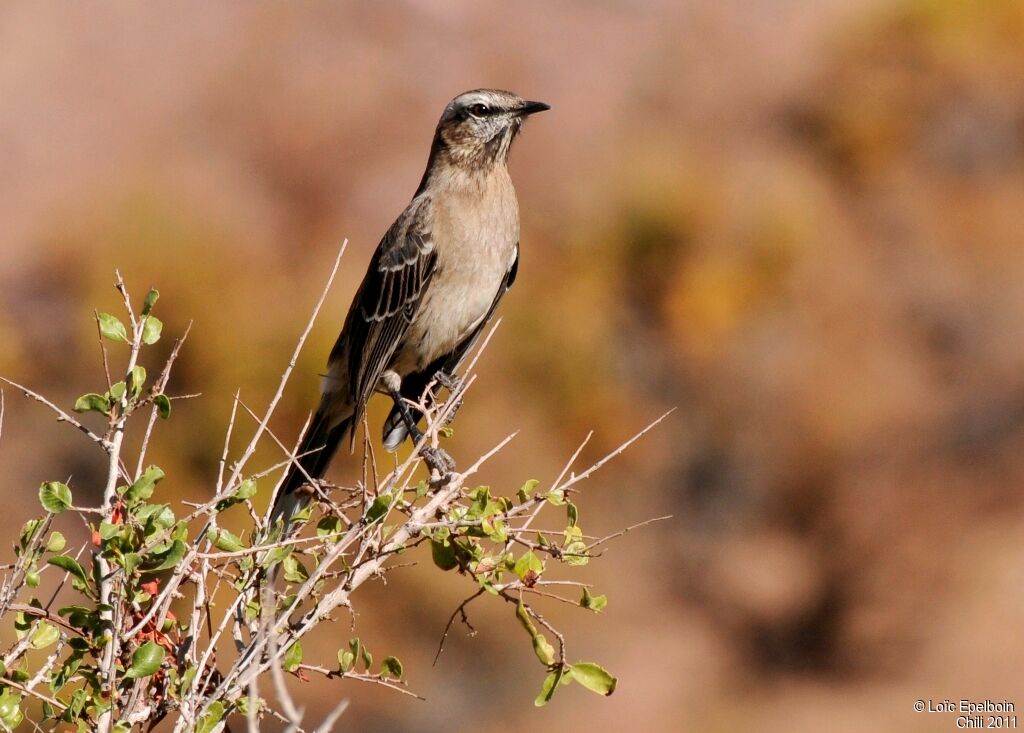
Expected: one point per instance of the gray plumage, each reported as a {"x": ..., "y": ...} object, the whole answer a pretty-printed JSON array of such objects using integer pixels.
[{"x": 432, "y": 284}]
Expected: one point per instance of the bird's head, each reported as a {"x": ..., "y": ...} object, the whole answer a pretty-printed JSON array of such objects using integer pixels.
[{"x": 477, "y": 127}]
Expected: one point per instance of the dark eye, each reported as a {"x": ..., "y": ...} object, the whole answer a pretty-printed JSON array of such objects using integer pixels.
[{"x": 479, "y": 110}]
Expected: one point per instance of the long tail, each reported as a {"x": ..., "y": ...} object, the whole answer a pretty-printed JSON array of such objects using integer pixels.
[{"x": 318, "y": 447}]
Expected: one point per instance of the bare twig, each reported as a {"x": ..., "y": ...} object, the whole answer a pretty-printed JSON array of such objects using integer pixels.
[
  {"x": 251, "y": 448},
  {"x": 576, "y": 479},
  {"x": 332, "y": 717},
  {"x": 461, "y": 609},
  {"x": 158, "y": 388},
  {"x": 61, "y": 415}
]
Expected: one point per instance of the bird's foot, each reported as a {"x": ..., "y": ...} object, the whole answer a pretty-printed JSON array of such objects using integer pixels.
[
  {"x": 451, "y": 382},
  {"x": 437, "y": 460},
  {"x": 454, "y": 384}
]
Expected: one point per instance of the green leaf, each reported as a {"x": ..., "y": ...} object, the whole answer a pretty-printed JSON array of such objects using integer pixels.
[
  {"x": 227, "y": 542},
  {"x": 117, "y": 392},
  {"x": 360, "y": 651},
  {"x": 69, "y": 564},
  {"x": 22, "y": 624},
  {"x": 292, "y": 657},
  {"x": 245, "y": 701},
  {"x": 547, "y": 689},
  {"x": 575, "y": 553},
  {"x": 142, "y": 489},
  {"x": 131, "y": 561},
  {"x": 168, "y": 559},
  {"x": 494, "y": 529},
  {"x": 594, "y": 677},
  {"x": 379, "y": 509},
  {"x": 55, "y": 497},
  {"x": 44, "y": 635},
  {"x": 524, "y": 618},
  {"x": 32, "y": 578},
  {"x": 328, "y": 527},
  {"x": 180, "y": 531},
  {"x": 56, "y": 542},
  {"x": 136, "y": 378},
  {"x": 294, "y": 571},
  {"x": 112, "y": 328},
  {"x": 28, "y": 533},
  {"x": 443, "y": 554},
  {"x": 80, "y": 617},
  {"x": 92, "y": 402},
  {"x": 151, "y": 297},
  {"x": 151, "y": 330},
  {"x": 527, "y": 489},
  {"x": 252, "y": 611},
  {"x": 146, "y": 660},
  {"x": 109, "y": 531},
  {"x": 78, "y": 699},
  {"x": 10, "y": 711},
  {"x": 208, "y": 721},
  {"x": 594, "y": 603},
  {"x": 155, "y": 518},
  {"x": 528, "y": 562},
  {"x": 275, "y": 556},
  {"x": 572, "y": 512},
  {"x": 302, "y": 516},
  {"x": 391, "y": 667},
  {"x": 346, "y": 660},
  {"x": 246, "y": 489},
  {"x": 66, "y": 671},
  {"x": 543, "y": 649},
  {"x": 163, "y": 405}
]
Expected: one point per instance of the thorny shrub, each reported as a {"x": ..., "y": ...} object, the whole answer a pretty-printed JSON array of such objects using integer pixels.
[{"x": 127, "y": 634}]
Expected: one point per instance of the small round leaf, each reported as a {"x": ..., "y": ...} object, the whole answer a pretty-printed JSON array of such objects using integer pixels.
[
  {"x": 55, "y": 497},
  {"x": 146, "y": 660},
  {"x": 112, "y": 328}
]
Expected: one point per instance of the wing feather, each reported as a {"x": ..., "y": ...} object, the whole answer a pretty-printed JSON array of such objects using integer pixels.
[{"x": 387, "y": 301}]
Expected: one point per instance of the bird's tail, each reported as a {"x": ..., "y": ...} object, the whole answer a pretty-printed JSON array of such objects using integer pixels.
[
  {"x": 318, "y": 447},
  {"x": 395, "y": 429}
]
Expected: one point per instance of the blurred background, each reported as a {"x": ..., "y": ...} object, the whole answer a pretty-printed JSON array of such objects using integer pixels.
[{"x": 801, "y": 223}]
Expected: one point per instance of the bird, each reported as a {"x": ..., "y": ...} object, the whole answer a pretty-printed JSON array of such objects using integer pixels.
[{"x": 431, "y": 286}]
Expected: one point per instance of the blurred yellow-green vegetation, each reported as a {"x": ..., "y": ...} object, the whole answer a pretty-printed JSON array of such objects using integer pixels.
[{"x": 802, "y": 224}]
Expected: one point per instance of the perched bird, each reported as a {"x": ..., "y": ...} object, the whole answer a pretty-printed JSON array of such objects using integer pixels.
[{"x": 431, "y": 287}]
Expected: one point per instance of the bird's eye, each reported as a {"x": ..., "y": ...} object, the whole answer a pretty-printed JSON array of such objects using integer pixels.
[{"x": 479, "y": 110}]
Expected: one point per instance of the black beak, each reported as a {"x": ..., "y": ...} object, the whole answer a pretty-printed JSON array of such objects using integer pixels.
[{"x": 529, "y": 108}]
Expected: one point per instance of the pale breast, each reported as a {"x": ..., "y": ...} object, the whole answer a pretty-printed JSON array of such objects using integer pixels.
[{"x": 475, "y": 234}]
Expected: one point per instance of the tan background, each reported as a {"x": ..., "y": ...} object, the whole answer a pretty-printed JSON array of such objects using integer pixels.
[{"x": 799, "y": 222}]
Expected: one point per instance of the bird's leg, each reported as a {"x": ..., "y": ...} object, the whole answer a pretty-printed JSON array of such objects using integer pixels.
[
  {"x": 435, "y": 458},
  {"x": 392, "y": 383}
]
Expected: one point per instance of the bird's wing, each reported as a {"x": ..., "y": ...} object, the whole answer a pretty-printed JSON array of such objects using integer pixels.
[
  {"x": 387, "y": 300},
  {"x": 413, "y": 385}
]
